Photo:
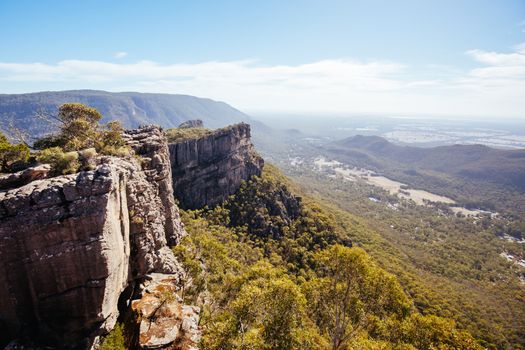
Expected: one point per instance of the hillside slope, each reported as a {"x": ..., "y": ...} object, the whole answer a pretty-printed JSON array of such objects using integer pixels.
[{"x": 272, "y": 269}]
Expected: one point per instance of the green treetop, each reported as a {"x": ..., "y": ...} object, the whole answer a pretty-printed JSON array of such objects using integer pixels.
[{"x": 11, "y": 153}]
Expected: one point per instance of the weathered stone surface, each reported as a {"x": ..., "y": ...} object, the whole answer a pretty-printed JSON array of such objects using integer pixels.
[
  {"x": 70, "y": 245},
  {"x": 165, "y": 321},
  {"x": 149, "y": 143},
  {"x": 208, "y": 169},
  {"x": 64, "y": 263},
  {"x": 196, "y": 123},
  {"x": 23, "y": 177}
]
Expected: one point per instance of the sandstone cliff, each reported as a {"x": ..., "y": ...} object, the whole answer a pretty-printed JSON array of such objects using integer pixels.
[
  {"x": 77, "y": 250},
  {"x": 208, "y": 169},
  {"x": 70, "y": 245}
]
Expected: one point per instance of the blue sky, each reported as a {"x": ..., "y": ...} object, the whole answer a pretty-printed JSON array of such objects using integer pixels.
[{"x": 386, "y": 57}]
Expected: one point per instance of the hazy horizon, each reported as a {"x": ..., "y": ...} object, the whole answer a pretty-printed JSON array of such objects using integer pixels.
[{"x": 298, "y": 114}]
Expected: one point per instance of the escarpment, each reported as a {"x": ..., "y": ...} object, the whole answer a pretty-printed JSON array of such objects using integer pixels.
[
  {"x": 78, "y": 251},
  {"x": 70, "y": 245},
  {"x": 208, "y": 169}
]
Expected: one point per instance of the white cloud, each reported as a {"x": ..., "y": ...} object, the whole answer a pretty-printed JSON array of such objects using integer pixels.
[
  {"x": 499, "y": 59},
  {"x": 495, "y": 88},
  {"x": 500, "y": 65},
  {"x": 120, "y": 54}
]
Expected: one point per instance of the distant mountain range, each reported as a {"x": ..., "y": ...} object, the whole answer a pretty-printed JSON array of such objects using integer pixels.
[
  {"x": 476, "y": 176},
  {"x": 132, "y": 108},
  {"x": 470, "y": 161}
]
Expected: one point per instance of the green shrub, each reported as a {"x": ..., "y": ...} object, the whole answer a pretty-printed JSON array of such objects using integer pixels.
[
  {"x": 178, "y": 134},
  {"x": 114, "y": 340},
  {"x": 48, "y": 141},
  {"x": 88, "y": 153},
  {"x": 112, "y": 142},
  {"x": 87, "y": 158},
  {"x": 61, "y": 163},
  {"x": 11, "y": 153}
]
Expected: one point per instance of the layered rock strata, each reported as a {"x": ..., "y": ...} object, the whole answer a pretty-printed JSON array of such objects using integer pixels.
[
  {"x": 208, "y": 169},
  {"x": 70, "y": 245}
]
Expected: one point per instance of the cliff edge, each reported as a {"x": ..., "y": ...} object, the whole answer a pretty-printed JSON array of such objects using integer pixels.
[{"x": 208, "y": 169}]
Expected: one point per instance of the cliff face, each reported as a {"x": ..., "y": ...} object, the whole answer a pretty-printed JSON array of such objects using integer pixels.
[
  {"x": 76, "y": 248},
  {"x": 70, "y": 245},
  {"x": 208, "y": 169}
]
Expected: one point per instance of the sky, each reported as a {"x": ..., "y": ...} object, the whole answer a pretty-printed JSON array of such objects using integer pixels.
[{"x": 414, "y": 58}]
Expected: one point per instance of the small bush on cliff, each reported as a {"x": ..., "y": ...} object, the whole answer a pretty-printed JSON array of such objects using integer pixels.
[
  {"x": 48, "y": 141},
  {"x": 88, "y": 153},
  {"x": 80, "y": 131},
  {"x": 114, "y": 340},
  {"x": 11, "y": 153},
  {"x": 61, "y": 163},
  {"x": 111, "y": 141},
  {"x": 178, "y": 134}
]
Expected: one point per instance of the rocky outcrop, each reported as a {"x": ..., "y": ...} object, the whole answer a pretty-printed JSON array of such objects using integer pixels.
[
  {"x": 149, "y": 144},
  {"x": 195, "y": 123},
  {"x": 164, "y": 319},
  {"x": 208, "y": 169},
  {"x": 70, "y": 245},
  {"x": 24, "y": 177}
]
